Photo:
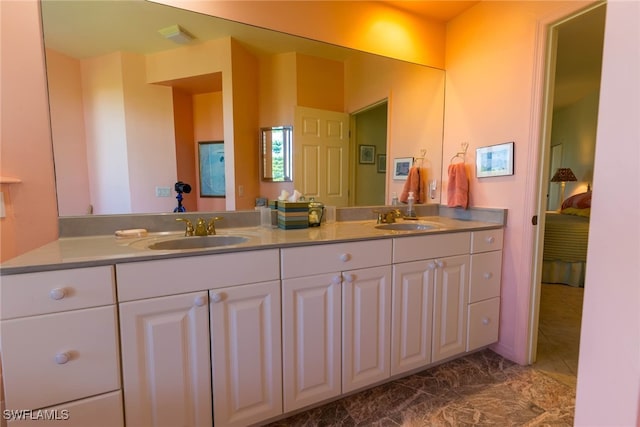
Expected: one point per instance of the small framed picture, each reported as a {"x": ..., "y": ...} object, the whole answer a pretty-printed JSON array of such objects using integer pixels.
[
  {"x": 381, "y": 163},
  {"x": 401, "y": 166},
  {"x": 367, "y": 154},
  {"x": 494, "y": 160}
]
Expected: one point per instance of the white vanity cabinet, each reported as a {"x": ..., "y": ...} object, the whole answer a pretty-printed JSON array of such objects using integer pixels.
[
  {"x": 165, "y": 360},
  {"x": 174, "y": 330},
  {"x": 436, "y": 265},
  {"x": 484, "y": 288},
  {"x": 336, "y": 319},
  {"x": 246, "y": 353},
  {"x": 60, "y": 345}
]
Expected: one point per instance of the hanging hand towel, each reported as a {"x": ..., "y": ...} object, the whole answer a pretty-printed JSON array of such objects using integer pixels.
[
  {"x": 414, "y": 183},
  {"x": 458, "y": 188}
]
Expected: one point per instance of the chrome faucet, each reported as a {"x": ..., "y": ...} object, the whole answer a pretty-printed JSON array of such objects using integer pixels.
[{"x": 202, "y": 228}]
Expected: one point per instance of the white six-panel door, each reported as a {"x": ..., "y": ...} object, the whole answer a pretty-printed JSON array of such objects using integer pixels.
[
  {"x": 246, "y": 353},
  {"x": 321, "y": 155},
  {"x": 165, "y": 361}
]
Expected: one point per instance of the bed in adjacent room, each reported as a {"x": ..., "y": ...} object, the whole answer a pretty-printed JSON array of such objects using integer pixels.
[{"x": 566, "y": 236}]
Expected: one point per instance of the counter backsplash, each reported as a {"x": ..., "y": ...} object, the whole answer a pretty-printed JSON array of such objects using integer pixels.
[{"x": 95, "y": 225}]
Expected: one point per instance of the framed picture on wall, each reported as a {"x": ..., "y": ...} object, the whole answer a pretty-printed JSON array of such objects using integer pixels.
[
  {"x": 401, "y": 166},
  {"x": 211, "y": 170},
  {"x": 367, "y": 154},
  {"x": 494, "y": 160},
  {"x": 381, "y": 163}
]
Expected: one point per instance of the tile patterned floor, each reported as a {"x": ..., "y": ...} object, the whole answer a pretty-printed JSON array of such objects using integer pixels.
[{"x": 476, "y": 390}]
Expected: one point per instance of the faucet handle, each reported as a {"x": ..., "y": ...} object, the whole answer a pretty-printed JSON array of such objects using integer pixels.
[
  {"x": 211, "y": 227},
  {"x": 189, "y": 231}
]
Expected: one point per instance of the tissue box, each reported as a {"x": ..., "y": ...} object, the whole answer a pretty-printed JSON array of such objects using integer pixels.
[{"x": 293, "y": 215}]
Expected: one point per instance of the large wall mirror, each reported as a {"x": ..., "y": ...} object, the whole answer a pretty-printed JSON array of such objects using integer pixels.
[{"x": 128, "y": 105}]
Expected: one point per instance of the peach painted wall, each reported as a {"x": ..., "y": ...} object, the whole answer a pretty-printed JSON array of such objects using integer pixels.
[
  {"x": 244, "y": 151},
  {"x": 365, "y": 25},
  {"x": 320, "y": 83},
  {"x": 186, "y": 150},
  {"x": 67, "y": 128},
  {"x": 608, "y": 391},
  {"x": 25, "y": 136},
  {"x": 277, "y": 99},
  {"x": 207, "y": 126},
  {"x": 416, "y": 97}
]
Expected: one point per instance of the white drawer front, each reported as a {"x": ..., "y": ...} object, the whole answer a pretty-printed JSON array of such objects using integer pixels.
[
  {"x": 484, "y": 320},
  {"x": 54, "y": 291},
  {"x": 486, "y": 240},
  {"x": 434, "y": 246},
  {"x": 319, "y": 259},
  {"x": 147, "y": 279},
  {"x": 104, "y": 410},
  {"x": 485, "y": 275},
  {"x": 55, "y": 358}
]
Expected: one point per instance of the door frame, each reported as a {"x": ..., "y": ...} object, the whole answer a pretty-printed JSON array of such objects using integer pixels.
[{"x": 548, "y": 45}]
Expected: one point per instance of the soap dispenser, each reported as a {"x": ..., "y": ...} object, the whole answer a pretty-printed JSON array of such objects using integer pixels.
[{"x": 411, "y": 213}]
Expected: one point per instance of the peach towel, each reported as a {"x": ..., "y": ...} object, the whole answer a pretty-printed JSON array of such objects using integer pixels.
[
  {"x": 415, "y": 183},
  {"x": 458, "y": 188}
]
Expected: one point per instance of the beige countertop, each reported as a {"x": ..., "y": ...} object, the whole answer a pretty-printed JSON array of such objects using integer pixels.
[{"x": 87, "y": 251}]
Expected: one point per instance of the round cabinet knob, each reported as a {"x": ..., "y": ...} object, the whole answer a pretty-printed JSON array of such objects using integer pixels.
[
  {"x": 200, "y": 300},
  {"x": 440, "y": 263},
  {"x": 216, "y": 297},
  {"x": 349, "y": 277},
  {"x": 486, "y": 320},
  {"x": 336, "y": 280},
  {"x": 57, "y": 293},
  {"x": 62, "y": 358},
  {"x": 345, "y": 257},
  {"x": 490, "y": 239},
  {"x": 431, "y": 265},
  {"x": 488, "y": 275}
]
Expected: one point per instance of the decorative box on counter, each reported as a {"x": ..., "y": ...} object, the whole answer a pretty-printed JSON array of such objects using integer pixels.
[{"x": 293, "y": 215}]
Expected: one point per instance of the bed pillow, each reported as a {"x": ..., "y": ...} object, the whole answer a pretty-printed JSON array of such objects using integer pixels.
[
  {"x": 578, "y": 201},
  {"x": 586, "y": 212}
]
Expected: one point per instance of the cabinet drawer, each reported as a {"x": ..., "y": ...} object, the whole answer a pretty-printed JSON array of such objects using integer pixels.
[
  {"x": 56, "y": 358},
  {"x": 484, "y": 319},
  {"x": 318, "y": 259},
  {"x": 54, "y": 291},
  {"x": 435, "y": 246},
  {"x": 486, "y": 240},
  {"x": 147, "y": 279},
  {"x": 485, "y": 275},
  {"x": 98, "y": 411}
]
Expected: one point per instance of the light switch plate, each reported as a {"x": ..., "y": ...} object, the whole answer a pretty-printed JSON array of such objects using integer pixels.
[
  {"x": 163, "y": 192},
  {"x": 2, "y": 213}
]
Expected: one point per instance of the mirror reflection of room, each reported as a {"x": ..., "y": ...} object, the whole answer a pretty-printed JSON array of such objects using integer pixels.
[{"x": 127, "y": 116}]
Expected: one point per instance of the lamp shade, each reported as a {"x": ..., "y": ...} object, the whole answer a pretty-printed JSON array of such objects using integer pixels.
[{"x": 563, "y": 175}]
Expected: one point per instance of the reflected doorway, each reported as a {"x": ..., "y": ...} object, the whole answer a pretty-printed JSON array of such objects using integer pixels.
[{"x": 369, "y": 128}]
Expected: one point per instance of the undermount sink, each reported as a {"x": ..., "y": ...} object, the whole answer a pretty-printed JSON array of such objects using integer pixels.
[
  {"x": 405, "y": 226},
  {"x": 198, "y": 242}
]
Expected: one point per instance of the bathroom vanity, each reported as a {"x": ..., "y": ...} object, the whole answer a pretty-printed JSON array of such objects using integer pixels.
[{"x": 118, "y": 334}]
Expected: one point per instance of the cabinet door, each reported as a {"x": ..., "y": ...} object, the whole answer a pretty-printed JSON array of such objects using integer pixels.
[
  {"x": 366, "y": 336},
  {"x": 412, "y": 315},
  {"x": 165, "y": 361},
  {"x": 311, "y": 323},
  {"x": 450, "y": 307},
  {"x": 246, "y": 353}
]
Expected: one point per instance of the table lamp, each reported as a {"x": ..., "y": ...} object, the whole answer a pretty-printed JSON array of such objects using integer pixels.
[{"x": 562, "y": 176}]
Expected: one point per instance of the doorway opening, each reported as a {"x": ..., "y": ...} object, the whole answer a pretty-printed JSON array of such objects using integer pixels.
[
  {"x": 573, "y": 76},
  {"x": 369, "y": 164}
]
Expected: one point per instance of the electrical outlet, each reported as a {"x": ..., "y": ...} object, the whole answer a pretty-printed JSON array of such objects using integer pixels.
[
  {"x": 163, "y": 191},
  {"x": 240, "y": 190},
  {"x": 2, "y": 213}
]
